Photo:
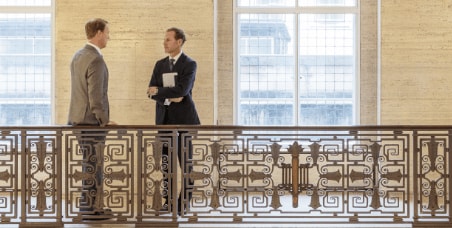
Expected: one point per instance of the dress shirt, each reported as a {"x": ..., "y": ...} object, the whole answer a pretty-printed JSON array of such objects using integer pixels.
[{"x": 167, "y": 102}]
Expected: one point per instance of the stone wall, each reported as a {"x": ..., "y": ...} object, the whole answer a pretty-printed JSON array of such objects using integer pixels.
[
  {"x": 137, "y": 29},
  {"x": 416, "y": 62}
]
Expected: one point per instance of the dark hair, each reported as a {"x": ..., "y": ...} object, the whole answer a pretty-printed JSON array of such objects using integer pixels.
[
  {"x": 179, "y": 33},
  {"x": 94, "y": 25}
]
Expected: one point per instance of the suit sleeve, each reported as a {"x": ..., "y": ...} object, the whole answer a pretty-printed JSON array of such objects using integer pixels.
[
  {"x": 184, "y": 83},
  {"x": 96, "y": 77},
  {"x": 155, "y": 82}
]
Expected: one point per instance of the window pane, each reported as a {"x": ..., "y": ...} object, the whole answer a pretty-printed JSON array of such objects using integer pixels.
[
  {"x": 25, "y": 2},
  {"x": 266, "y": 69},
  {"x": 327, "y": 2},
  {"x": 266, "y": 3},
  {"x": 326, "y": 66},
  {"x": 25, "y": 69}
]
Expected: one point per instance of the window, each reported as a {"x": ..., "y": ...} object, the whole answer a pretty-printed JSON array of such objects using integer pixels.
[
  {"x": 25, "y": 62},
  {"x": 299, "y": 67}
]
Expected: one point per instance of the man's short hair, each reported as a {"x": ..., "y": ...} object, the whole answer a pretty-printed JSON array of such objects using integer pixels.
[
  {"x": 179, "y": 33},
  {"x": 94, "y": 25}
]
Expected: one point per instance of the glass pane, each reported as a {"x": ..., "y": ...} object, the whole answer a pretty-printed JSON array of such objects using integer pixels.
[
  {"x": 327, "y": 2},
  {"x": 266, "y": 3},
  {"x": 25, "y": 69},
  {"x": 25, "y": 2},
  {"x": 266, "y": 69},
  {"x": 327, "y": 69}
]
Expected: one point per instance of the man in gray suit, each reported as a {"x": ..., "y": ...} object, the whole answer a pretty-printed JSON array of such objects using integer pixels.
[
  {"x": 89, "y": 107},
  {"x": 89, "y": 78}
]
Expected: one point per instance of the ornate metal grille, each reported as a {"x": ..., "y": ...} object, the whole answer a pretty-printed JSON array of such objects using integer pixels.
[{"x": 375, "y": 174}]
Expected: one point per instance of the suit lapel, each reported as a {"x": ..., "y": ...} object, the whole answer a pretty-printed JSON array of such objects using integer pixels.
[{"x": 180, "y": 61}]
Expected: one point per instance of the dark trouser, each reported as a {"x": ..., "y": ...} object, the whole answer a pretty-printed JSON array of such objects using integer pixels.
[
  {"x": 188, "y": 183},
  {"x": 92, "y": 144}
]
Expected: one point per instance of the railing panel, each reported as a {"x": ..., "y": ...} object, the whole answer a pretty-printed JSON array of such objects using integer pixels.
[
  {"x": 9, "y": 176},
  {"x": 158, "y": 173},
  {"x": 432, "y": 187},
  {"x": 109, "y": 154},
  {"x": 41, "y": 173},
  {"x": 301, "y": 176}
]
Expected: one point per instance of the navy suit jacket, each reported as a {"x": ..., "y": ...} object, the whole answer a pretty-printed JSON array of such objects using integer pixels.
[{"x": 181, "y": 113}]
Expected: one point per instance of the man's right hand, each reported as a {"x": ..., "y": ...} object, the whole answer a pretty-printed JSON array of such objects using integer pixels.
[
  {"x": 176, "y": 100},
  {"x": 152, "y": 91},
  {"x": 111, "y": 122}
]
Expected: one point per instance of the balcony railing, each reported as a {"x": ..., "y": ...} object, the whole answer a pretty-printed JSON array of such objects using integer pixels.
[{"x": 278, "y": 175}]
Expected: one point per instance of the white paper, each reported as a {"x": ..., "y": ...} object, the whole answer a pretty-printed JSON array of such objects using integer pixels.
[{"x": 169, "y": 79}]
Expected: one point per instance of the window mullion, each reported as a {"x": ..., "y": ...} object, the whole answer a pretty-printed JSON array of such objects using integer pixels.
[{"x": 297, "y": 70}]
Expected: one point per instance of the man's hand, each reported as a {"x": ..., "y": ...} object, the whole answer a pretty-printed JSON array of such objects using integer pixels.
[
  {"x": 153, "y": 90},
  {"x": 176, "y": 100},
  {"x": 111, "y": 122}
]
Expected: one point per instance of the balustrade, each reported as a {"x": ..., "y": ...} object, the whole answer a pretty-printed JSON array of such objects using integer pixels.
[{"x": 278, "y": 175}]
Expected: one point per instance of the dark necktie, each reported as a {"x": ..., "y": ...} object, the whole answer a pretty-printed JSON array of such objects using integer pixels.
[{"x": 171, "y": 64}]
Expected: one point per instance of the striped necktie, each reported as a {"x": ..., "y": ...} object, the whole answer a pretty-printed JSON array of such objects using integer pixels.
[{"x": 171, "y": 64}]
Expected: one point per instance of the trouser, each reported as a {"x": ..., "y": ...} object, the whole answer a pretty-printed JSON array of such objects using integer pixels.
[{"x": 92, "y": 144}]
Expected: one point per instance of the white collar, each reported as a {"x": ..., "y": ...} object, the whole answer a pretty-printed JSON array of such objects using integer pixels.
[
  {"x": 96, "y": 47},
  {"x": 175, "y": 57}
]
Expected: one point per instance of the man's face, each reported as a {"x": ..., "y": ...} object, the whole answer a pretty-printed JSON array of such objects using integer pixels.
[
  {"x": 171, "y": 45},
  {"x": 104, "y": 37}
]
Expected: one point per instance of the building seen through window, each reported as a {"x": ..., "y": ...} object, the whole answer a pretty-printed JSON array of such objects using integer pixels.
[
  {"x": 25, "y": 67},
  {"x": 296, "y": 68}
]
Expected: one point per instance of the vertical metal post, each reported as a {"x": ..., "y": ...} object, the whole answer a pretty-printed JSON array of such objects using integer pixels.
[
  {"x": 23, "y": 177},
  {"x": 59, "y": 176},
  {"x": 173, "y": 176},
  {"x": 140, "y": 176},
  {"x": 415, "y": 177},
  {"x": 448, "y": 164}
]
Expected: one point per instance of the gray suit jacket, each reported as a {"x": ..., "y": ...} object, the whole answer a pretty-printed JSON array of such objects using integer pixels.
[{"x": 89, "y": 85}]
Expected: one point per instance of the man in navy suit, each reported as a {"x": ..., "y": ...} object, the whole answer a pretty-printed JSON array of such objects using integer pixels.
[{"x": 171, "y": 87}]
